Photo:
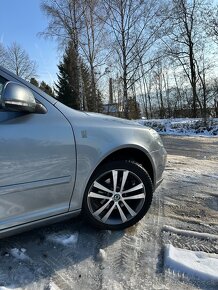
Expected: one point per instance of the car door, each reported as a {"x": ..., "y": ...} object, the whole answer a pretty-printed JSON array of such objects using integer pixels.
[{"x": 37, "y": 164}]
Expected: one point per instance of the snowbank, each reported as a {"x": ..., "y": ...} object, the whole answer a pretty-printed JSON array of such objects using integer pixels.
[
  {"x": 183, "y": 126},
  {"x": 197, "y": 264},
  {"x": 190, "y": 233}
]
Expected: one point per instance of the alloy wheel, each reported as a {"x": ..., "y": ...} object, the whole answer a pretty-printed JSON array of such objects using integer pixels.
[{"x": 116, "y": 196}]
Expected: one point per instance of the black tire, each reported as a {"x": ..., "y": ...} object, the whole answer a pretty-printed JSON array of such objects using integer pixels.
[{"x": 118, "y": 195}]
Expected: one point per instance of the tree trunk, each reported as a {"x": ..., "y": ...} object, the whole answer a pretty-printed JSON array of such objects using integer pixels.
[
  {"x": 149, "y": 98},
  {"x": 216, "y": 108},
  {"x": 124, "y": 57},
  {"x": 193, "y": 80}
]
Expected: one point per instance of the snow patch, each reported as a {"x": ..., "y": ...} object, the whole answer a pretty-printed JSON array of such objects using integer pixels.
[
  {"x": 52, "y": 286},
  {"x": 197, "y": 264},
  {"x": 190, "y": 233},
  {"x": 19, "y": 254},
  {"x": 64, "y": 239},
  {"x": 102, "y": 256},
  {"x": 12, "y": 288},
  {"x": 183, "y": 126},
  {"x": 211, "y": 176}
]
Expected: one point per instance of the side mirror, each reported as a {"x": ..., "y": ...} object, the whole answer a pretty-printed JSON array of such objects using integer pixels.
[{"x": 16, "y": 97}]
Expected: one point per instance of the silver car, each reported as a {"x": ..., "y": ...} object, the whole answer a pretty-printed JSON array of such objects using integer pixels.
[{"x": 56, "y": 162}]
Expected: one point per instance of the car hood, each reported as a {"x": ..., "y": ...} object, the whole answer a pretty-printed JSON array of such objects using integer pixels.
[
  {"x": 94, "y": 119},
  {"x": 113, "y": 120}
]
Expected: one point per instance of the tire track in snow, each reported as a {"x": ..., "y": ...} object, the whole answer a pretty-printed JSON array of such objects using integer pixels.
[
  {"x": 125, "y": 260},
  {"x": 132, "y": 261},
  {"x": 188, "y": 206}
]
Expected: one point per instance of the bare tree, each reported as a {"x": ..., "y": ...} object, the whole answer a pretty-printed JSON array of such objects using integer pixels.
[
  {"x": 65, "y": 23},
  {"x": 185, "y": 41},
  {"x": 2, "y": 54},
  {"x": 76, "y": 22},
  {"x": 92, "y": 42},
  {"x": 143, "y": 97},
  {"x": 134, "y": 28},
  {"x": 211, "y": 22},
  {"x": 18, "y": 61}
]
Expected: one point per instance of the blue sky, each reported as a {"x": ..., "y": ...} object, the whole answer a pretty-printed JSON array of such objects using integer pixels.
[{"x": 20, "y": 21}]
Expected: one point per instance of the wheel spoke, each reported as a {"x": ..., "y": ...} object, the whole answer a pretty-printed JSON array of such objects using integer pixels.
[
  {"x": 132, "y": 212},
  {"x": 122, "y": 215},
  {"x": 101, "y": 187},
  {"x": 137, "y": 187},
  {"x": 125, "y": 175},
  {"x": 115, "y": 174},
  {"x": 100, "y": 210},
  {"x": 105, "y": 218},
  {"x": 137, "y": 196},
  {"x": 98, "y": 195},
  {"x": 116, "y": 196}
]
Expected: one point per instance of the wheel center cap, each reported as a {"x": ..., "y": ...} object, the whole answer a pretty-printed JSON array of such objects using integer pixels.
[{"x": 116, "y": 197}]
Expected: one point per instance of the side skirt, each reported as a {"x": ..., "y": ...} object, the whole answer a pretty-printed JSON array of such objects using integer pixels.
[{"x": 38, "y": 223}]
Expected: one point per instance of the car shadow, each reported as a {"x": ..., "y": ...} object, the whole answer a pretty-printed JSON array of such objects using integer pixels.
[{"x": 38, "y": 255}]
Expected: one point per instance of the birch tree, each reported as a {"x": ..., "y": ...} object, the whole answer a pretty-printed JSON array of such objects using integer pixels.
[
  {"x": 2, "y": 54},
  {"x": 65, "y": 23},
  {"x": 92, "y": 44},
  {"x": 18, "y": 61},
  {"x": 76, "y": 22},
  {"x": 132, "y": 24},
  {"x": 185, "y": 39}
]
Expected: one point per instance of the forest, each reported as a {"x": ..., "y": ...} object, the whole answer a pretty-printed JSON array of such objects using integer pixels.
[{"x": 134, "y": 58}]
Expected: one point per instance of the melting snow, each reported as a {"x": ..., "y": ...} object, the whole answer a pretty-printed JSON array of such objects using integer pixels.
[
  {"x": 190, "y": 233},
  {"x": 211, "y": 176},
  {"x": 12, "y": 288},
  {"x": 200, "y": 265},
  {"x": 19, "y": 254},
  {"x": 102, "y": 255},
  {"x": 52, "y": 286},
  {"x": 64, "y": 239}
]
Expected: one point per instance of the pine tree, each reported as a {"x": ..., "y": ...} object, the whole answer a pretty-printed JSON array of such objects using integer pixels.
[
  {"x": 34, "y": 82},
  {"x": 134, "y": 109},
  {"x": 93, "y": 100},
  {"x": 74, "y": 85},
  {"x": 67, "y": 86},
  {"x": 46, "y": 88},
  {"x": 99, "y": 102},
  {"x": 43, "y": 86}
]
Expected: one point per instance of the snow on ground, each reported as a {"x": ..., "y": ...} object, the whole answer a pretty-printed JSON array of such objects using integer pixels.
[
  {"x": 73, "y": 255},
  {"x": 197, "y": 264},
  {"x": 190, "y": 233},
  {"x": 102, "y": 255},
  {"x": 12, "y": 288},
  {"x": 19, "y": 254},
  {"x": 183, "y": 126},
  {"x": 65, "y": 239},
  {"x": 53, "y": 286}
]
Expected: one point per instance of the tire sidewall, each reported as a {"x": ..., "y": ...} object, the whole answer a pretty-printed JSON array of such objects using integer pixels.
[{"x": 138, "y": 170}]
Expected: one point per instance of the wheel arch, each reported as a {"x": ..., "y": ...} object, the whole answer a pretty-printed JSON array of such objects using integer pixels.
[{"x": 134, "y": 154}]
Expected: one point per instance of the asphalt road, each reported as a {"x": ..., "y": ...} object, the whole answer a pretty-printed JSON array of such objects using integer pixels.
[
  {"x": 196, "y": 147},
  {"x": 130, "y": 259}
]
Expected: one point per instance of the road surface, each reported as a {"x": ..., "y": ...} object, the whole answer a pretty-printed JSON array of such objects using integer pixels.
[{"x": 72, "y": 255}]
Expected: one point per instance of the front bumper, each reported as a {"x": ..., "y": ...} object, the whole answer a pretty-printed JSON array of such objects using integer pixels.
[{"x": 159, "y": 158}]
